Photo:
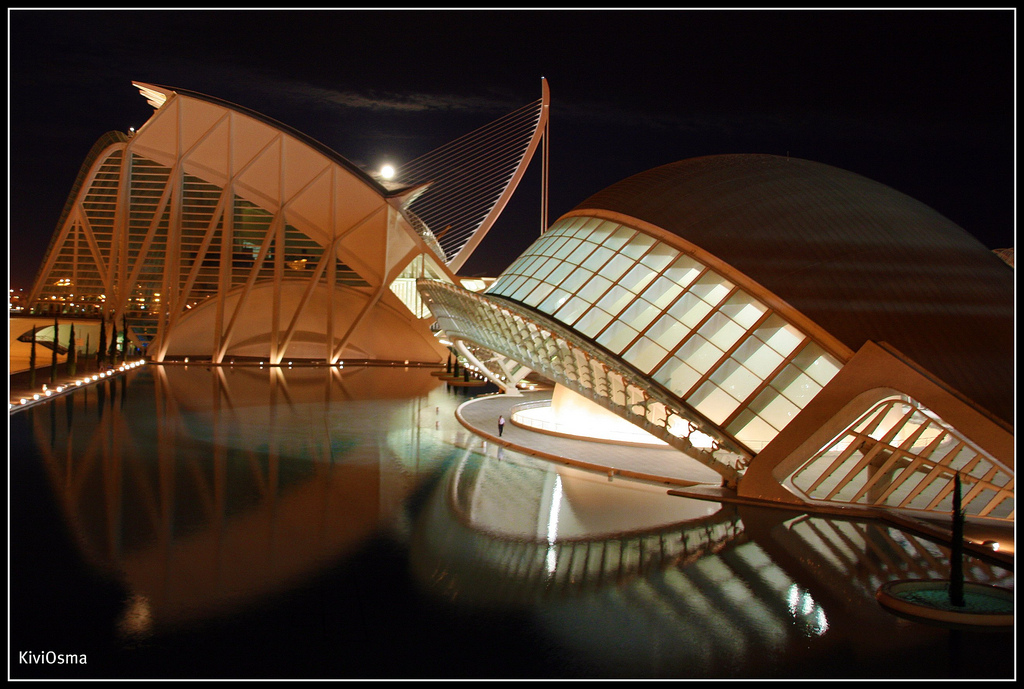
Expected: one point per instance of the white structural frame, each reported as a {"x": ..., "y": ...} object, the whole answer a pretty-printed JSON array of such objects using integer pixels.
[{"x": 157, "y": 220}]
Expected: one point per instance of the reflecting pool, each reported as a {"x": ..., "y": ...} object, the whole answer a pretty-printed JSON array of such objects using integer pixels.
[{"x": 236, "y": 522}]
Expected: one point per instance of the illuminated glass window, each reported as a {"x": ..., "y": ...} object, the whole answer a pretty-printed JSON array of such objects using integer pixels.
[
  {"x": 616, "y": 298},
  {"x": 645, "y": 354},
  {"x": 617, "y": 336},
  {"x": 638, "y": 246},
  {"x": 640, "y": 313},
  {"x": 689, "y": 310},
  {"x": 572, "y": 309},
  {"x": 638, "y": 277},
  {"x": 566, "y": 247}
]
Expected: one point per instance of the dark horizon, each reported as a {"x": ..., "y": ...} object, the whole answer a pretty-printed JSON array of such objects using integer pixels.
[{"x": 922, "y": 101}]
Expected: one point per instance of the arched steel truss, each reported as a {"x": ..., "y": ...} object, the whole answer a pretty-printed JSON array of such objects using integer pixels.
[{"x": 555, "y": 352}]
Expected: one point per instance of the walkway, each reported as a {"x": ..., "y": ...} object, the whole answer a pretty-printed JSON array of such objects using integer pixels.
[
  {"x": 660, "y": 464},
  {"x": 20, "y": 387},
  {"x": 687, "y": 477}
]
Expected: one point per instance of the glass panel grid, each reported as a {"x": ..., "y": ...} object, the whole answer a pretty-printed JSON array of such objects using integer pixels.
[
  {"x": 721, "y": 330},
  {"x": 677, "y": 376},
  {"x": 638, "y": 246},
  {"x": 597, "y": 259},
  {"x": 640, "y": 313},
  {"x": 554, "y": 300},
  {"x": 712, "y": 288},
  {"x": 689, "y": 309},
  {"x": 538, "y": 294},
  {"x": 637, "y": 278},
  {"x": 713, "y": 402},
  {"x": 617, "y": 336},
  {"x": 617, "y": 266},
  {"x": 593, "y": 321},
  {"x": 524, "y": 289},
  {"x": 586, "y": 227},
  {"x": 566, "y": 247},
  {"x": 619, "y": 237},
  {"x": 741, "y": 308},
  {"x": 615, "y": 299},
  {"x": 659, "y": 256},
  {"x": 645, "y": 354}
]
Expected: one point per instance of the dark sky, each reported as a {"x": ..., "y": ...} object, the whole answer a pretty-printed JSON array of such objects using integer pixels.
[{"x": 922, "y": 101}]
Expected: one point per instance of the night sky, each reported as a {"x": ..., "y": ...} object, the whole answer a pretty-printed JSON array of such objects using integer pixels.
[{"x": 922, "y": 101}]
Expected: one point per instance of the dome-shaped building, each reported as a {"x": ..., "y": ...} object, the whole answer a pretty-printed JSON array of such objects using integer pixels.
[
  {"x": 812, "y": 335},
  {"x": 859, "y": 259}
]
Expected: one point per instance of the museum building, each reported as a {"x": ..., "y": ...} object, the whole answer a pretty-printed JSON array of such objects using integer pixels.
[
  {"x": 813, "y": 336},
  {"x": 810, "y": 335},
  {"x": 217, "y": 233}
]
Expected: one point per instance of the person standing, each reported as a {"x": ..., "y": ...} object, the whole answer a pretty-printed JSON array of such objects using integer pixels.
[{"x": 501, "y": 425}]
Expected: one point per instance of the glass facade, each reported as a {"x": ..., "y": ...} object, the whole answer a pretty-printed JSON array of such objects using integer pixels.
[{"x": 674, "y": 319}]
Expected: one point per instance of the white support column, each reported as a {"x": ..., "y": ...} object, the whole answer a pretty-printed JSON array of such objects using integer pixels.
[
  {"x": 119, "y": 237},
  {"x": 307, "y": 293}
]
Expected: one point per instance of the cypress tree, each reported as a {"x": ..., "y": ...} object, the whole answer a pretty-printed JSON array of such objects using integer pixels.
[
  {"x": 32, "y": 361},
  {"x": 124, "y": 334},
  {"x": 53, "y": 357},
  {"x": 101, "y": 352},
  {"x": 72, "y": 354},
  {"x": 86, "y": 360},
  {"x": 113, "y": 342}
]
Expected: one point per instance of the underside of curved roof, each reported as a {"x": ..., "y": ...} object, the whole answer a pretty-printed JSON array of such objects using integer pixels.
[
  {"x": 862, "y": 260},
  {"x": 153, "y": 92}
]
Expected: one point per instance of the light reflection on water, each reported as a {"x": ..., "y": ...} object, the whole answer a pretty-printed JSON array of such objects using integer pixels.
[{"x": 212, "y": 495}]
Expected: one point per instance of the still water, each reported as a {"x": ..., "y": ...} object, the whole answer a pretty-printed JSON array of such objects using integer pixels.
[{"x": 185, "y": 522}]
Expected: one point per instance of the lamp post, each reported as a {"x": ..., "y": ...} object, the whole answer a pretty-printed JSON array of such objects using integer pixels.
[{"x": 956, "y": 554}]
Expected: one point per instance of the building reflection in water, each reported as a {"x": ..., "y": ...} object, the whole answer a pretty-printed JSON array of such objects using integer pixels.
[
  {"x": 208, "y": 489},
  {"x": 639, "y": 579},
  {"x": 205, "y": 488}
]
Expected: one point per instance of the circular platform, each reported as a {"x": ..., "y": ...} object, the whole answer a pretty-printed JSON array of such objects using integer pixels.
[{"x": 928, "y": 600}]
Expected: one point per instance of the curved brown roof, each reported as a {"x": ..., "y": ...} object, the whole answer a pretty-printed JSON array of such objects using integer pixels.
[{"x": 862, "y": 260}]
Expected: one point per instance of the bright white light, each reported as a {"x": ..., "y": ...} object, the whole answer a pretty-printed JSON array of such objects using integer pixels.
[
  {"x": 805, "y": 609},
  {"x": 387, "y": 172}
]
